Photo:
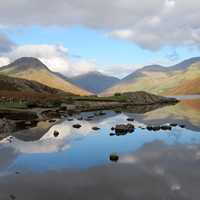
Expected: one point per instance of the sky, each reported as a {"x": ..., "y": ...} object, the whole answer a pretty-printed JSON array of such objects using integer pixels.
[{"x": 115, "y": 37}]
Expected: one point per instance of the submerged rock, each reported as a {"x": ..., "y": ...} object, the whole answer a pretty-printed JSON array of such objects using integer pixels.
[
  {"x": 100, "y": 113},
  {"x": 80, "y": 118},
  {"x": 114, "y": 157},
  {"x": 153, "y": 128},
  {"x": 173, "y": 124},
  {"x": 166, "y": 128},
  {"x": 90, "y": 117},
  {"x": 182, "y": 126},
  {"x": 130, "y": 119},
  {"x": 76, "y": 126},
  {"x": 56, "y": 133},
  {"x": 95, "y": 128}
]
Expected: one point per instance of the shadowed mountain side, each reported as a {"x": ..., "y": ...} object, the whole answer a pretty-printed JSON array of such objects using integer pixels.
[
  {"x": 11, "y": 84},
  {"x": 33, "y": 69},
  {"x": 94, "y": 82}
]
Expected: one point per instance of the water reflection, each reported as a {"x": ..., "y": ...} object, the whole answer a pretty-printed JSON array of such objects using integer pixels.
[
  {"x": 83, "y": 148},
  {"x": 157, "y": 171},
  {"x": 97, "y": 164},
  {"x": 186, "y": 112}
]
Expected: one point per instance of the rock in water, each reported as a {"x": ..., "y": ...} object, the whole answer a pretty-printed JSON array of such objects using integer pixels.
[
  {"x": 114, "y": 157},
  {"x": 124, "y": 128},
  {"x": 56, "y": 133},
  {"x": 130, "y": 119},
  {"x": 95, "y": 128},
  {"x": 76, "y": 126}
]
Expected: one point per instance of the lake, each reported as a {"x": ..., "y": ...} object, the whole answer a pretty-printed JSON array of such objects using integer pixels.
[{"x": 97, "y": 164}]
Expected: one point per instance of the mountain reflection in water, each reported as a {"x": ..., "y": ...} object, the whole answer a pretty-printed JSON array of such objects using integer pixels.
[{"x": 76, "y": 164}]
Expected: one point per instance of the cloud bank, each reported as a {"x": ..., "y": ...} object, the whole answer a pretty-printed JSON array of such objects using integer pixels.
[{"x": 150, "y": 24}]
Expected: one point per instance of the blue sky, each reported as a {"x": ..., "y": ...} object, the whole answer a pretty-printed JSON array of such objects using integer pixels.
[
  {"x": 115, "y": 37},
  {"x": 96, "y": 45}
]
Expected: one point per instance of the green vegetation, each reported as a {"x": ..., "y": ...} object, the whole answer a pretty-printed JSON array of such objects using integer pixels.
[
  {"x": 14, "y": 105},
  {"x": 118, "y": 98}
]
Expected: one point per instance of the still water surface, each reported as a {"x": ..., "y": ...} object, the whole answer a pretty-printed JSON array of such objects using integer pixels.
[{"x": 76, "y": 164}]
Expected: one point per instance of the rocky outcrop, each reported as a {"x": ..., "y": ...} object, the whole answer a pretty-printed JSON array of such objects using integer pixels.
[{"x": 144, "y": 98}]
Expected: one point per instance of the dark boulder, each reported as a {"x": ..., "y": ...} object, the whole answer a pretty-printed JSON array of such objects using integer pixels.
[
  {"x": 173, "y": 125},
  {"x": 124, "y": 128},
  {"x": 130, "y": 119},
  {"x": 112, "y": 129},
  {"x": 114, "y": 157},
  {"x": 95, "y": 128},
  {"x": 56, "y": 133},
  {"x": 76, "y": 126},
  {"x": 166, "y": 128}
]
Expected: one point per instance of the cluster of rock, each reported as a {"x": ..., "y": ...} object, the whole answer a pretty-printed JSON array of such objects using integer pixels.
[
  {"x": 164, "y": 127},
  {"x": 122, "y": 129}
]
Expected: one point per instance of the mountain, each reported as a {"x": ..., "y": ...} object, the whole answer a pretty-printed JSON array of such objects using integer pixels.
[
  {"x": 11, "y": 84},
  {"x": 33, "y": 69},
  {"x": 180, "y": 79},
  {"x": 95, "y": 82}
]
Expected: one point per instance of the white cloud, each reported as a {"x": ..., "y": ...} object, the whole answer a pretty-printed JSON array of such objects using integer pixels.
[
  {"x": 119, "y": 71},
  {"x": 4, "y": 61},
  {"x": 150, "y": 24},
  {"x": 54, "y": 56},
  {"x": 123, "y": 34},
  {"x": 170, "y": 4}
]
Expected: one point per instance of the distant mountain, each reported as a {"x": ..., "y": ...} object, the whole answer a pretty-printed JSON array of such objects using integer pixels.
[
  {"x": 33, "y": 69},
  {"x": 94, "y": 82},
  {"x": 179, "y": 79}
]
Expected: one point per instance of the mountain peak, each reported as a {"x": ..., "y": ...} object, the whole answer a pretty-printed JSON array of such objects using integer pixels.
[
  {"x": 28, "y": 62},
  {"x": 92, "y": 73},
  {"x": 94, "y": 81}
]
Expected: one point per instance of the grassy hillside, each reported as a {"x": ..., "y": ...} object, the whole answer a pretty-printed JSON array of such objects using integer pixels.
[
  {"x": 32, "y": 69},
  {"x": 177, "y": 82}
]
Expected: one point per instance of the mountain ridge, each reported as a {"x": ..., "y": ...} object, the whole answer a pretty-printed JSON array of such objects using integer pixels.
[
  {"x": 158, "y": 79},
  {"x": 33, "y": 69},
  {"x": 94, "y": 81}
]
